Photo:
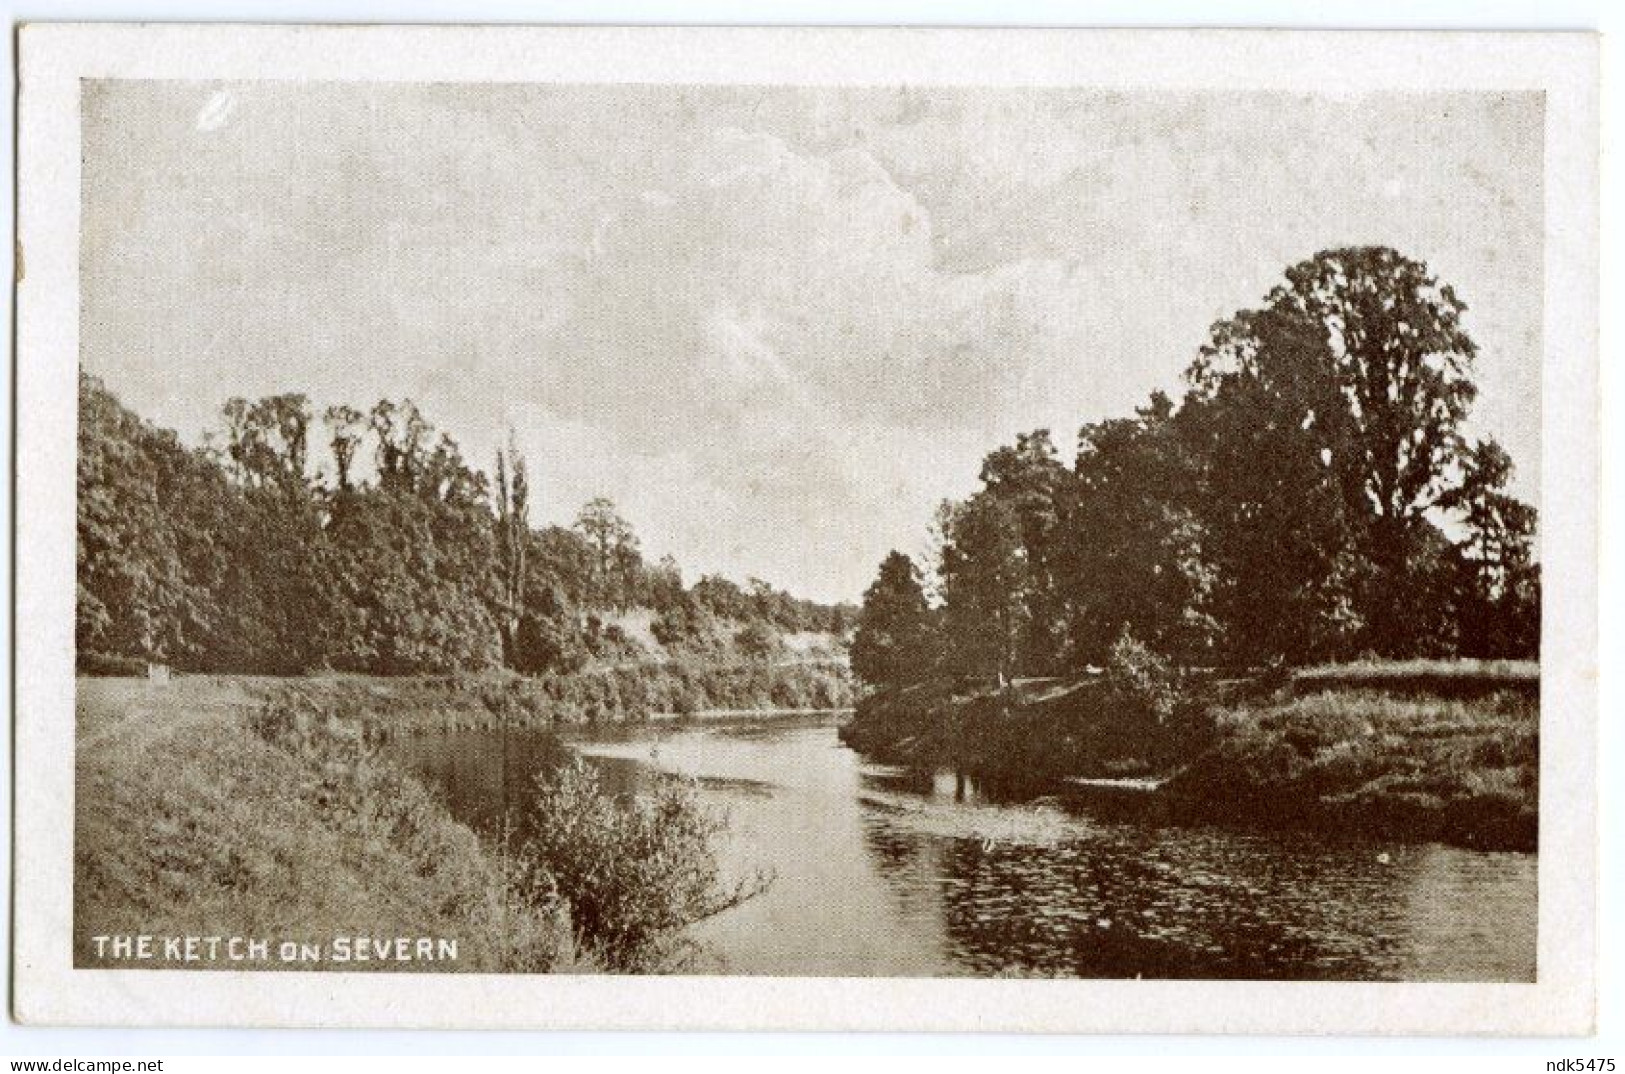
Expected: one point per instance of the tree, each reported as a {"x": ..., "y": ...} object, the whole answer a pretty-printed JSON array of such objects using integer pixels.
[
  {"x": 663, "y": 584},
  {"x": 268, "y": 441},
  {"x": 549, "y": 636},
  {"x": 688, "y": 625},
  {"x": 344, "y": 427},
  {"x": 721, "y": 597},
  {"x": 1036, "y": 486},
  {"x": 757, "y": 640},
  {"x": 1500, "y": 616},
  {"x": 1137, "y": 555},
  {"x": 896, "y": 640},
  {"x": 615, "y": 557},
  {"x": 561, "y": 557},
  {"x": 145, "y": 541},
  {"x": 1345, "y": 393},
  {"x": 984, "y": 586},
  {"x": 513, "y": 541},
  {"x": 401, "y": 433}
]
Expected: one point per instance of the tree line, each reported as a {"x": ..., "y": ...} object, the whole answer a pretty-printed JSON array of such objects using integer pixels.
[
  {"x": 1312, "y": 496},
  {"x": 245, "y": 555}
]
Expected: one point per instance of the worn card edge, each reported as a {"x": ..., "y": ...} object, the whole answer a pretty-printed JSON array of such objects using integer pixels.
[{"x": 53, "y": 57}]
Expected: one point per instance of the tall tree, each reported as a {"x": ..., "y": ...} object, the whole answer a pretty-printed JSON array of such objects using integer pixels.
[
  {"x": 1138, "y": 558},
  {"x": 401, "y": 434},
  {"x": 1036, "y": 486},
  {"x": 984, "y": 586},
  {"x": 615, "y": 556},
  {"x": 1500, "y": 614},
  {"x": 1357, "y": 362},
  {"x": 896, "y": 639},
  {"x": 513, "y": 539},
  {"x": 146, "y": 538},
  {"x": 267, "y": 441}
]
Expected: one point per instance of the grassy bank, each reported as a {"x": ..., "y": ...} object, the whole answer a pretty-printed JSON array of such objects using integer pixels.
[
  {"x": 1421, "y": 751},
  {"x": 195, "y": 817},
  {"x": 1424, "y": 678},
  {"x": 607, "y": 694},
  {"x": 263, "y": 809},
  {"x": 1407, "y": 767}
]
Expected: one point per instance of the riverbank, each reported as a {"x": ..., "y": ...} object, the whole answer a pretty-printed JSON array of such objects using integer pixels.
[
  {"x": 1037, "y": 730},
  {"x": 631, "y": 692},
  {"x": 1414, "y": 752},
  {"x": 260, "y": 823},
  {"x": 197, "y": 816}
]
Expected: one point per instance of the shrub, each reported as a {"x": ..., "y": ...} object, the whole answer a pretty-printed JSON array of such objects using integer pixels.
[
  {"x": 757, "y": 640},
  {"x": 549, "y": 644},
  {"x": 1138, "y": 677},
  {"x": 634, "y": 874},
  {"x": 609, "y": 641}
]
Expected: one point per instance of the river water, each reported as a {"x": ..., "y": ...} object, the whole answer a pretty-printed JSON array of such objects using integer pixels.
[{"x": 882, "y": 871}]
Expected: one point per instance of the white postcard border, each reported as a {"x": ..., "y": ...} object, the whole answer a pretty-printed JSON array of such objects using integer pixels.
[{"x": 54, "y": 58}]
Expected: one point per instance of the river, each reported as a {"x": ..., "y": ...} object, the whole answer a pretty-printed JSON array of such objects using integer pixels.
[{"x": 882, "y": 871}]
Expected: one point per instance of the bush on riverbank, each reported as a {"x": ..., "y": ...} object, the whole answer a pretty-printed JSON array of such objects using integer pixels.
[
  {"x": 634, "y": 874},
  {"x": 201, "y": 812},
  {"x": 1041, "y": 729}
]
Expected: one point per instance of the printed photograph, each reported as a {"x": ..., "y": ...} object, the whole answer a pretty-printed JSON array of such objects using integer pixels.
[{"x": 808, "y": 531}]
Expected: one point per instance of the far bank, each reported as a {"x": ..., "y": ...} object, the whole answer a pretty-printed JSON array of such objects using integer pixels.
[
  {"x": 618, "y": 693},
  {"x": 1443, "y": 751}
]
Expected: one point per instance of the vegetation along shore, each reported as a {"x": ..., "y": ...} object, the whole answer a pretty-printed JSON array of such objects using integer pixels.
[
  {"x": 1301, "y": 590},
  {"x": 215, "y": 800},
  {"x": 1419, "y": 750}
]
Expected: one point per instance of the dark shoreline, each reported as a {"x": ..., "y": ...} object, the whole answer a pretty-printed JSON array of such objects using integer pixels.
[{"x": 1385, "y": 755}]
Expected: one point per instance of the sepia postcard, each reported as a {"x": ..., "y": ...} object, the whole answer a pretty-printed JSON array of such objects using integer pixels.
[{"x": 852, "y": 529}]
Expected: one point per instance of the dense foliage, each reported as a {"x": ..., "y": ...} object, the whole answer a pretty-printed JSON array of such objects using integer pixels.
[
  {"x": 1313, "y": 496},
  {"x": 398, "y": 558},
  {"x": 896, "y": 628},
  {"x": 634, "y": 873}
]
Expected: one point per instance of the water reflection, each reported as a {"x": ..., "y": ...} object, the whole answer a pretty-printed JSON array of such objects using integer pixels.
[{"x": 887, "y": 871}]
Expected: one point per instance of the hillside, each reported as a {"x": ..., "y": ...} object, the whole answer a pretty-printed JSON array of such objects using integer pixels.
[{"x": 388, "y": 555}]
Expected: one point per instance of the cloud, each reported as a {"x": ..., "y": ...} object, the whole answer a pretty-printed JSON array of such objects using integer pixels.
[
  {"x": 809, "y": 274},
  {"x": 779, "y": 323}
]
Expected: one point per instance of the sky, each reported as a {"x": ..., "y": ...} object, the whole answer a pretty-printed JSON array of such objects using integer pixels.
[{"x": 776, "y": 326}]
